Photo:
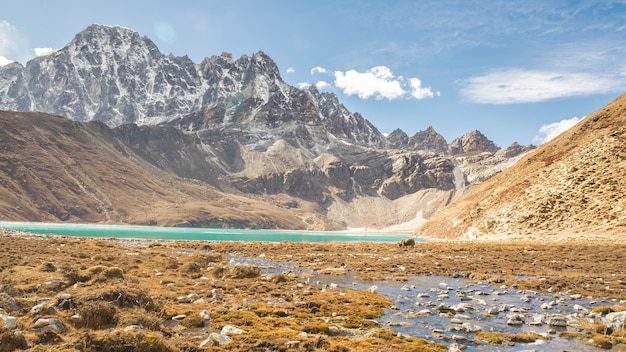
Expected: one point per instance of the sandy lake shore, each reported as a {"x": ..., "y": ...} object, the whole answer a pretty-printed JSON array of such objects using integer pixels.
[{"x": 62, "y": 293}]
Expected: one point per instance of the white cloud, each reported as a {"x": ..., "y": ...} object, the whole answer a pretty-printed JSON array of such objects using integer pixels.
[
  {"x": 550, "y": 131},
  {"x": 378, "y": 82},
  {"x": 43, "y": 51},
  {"x": 418, "y": 92},
  {"x": 514, "y": 86},
  {"x": 318, "y": 69},
  {"x": 318, "y": 84},
  {"x": 4, "y": 61},
  {"x": 290, "y": 70},
  {"x": 322, "y": 85}
]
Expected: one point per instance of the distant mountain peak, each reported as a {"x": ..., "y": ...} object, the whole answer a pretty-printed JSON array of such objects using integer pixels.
[{"x": 472, "y": 142}]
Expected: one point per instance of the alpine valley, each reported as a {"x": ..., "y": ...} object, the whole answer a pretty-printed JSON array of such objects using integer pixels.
[{"x": 109, "y": 129}]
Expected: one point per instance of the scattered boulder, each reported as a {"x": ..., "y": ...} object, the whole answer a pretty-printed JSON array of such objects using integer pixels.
[
  {"x": 48, "y": 324},
  {"x": 615, "y": 321},
  {"x": 515, "y": 319},
  {"x": 43, "y": 308},
  {"x": 9, "y": 321},
  {"x": 9, "y": 304},
  {"x": 216, "y": 339},
  {"x": 557, "y": 321},
  {"x": 231, "y": 330}
]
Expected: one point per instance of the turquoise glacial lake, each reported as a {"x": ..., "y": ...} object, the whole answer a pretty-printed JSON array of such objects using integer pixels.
[{"x": 199, "y": 234}]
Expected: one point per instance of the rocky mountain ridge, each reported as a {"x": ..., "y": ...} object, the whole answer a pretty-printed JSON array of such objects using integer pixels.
[{"x": 238, "y": 127}]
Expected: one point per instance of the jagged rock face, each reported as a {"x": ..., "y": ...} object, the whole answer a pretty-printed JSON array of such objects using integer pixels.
[
  {"x": 342, "y": 123},
  {"x": 114, "y": 75},
  {"x": 429, "y": 139},
  {"x": 398, "y": 139},
  {"x": 472, "y": 143}
]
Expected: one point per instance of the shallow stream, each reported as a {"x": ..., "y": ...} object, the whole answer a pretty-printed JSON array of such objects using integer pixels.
[{"x": 451, "y": 310}]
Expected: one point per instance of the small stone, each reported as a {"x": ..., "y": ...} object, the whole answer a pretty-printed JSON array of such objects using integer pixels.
[
  {"x": 615, "y": 321},
  {"x": 37, "y": 308},
  {"x": 455, "y": 347},
  {"x": 132, "y": 328},
  {"x": 62, "y": 296},
  {"x": 231, "y": 330},
  {"x": 9, "y": 321},
  {"x": 9, "y": 303},
  {"x": 467, "y": 327},
  {"x": 205, "y": 315},
  {"x": 333, "y": 330},
  {"x": 220, "y": 339},
  {"x": 557, "y": 321},
  {"x": 293, "y": 344},
  {"x": 42, "y": 325}
]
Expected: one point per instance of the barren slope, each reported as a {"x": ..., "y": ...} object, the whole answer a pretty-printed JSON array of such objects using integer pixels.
[
  {"x": 54, "y": 169},
  {"x": 573, "y": 186}
]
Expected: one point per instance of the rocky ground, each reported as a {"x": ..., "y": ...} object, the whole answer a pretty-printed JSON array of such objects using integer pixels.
[{"x": 61, "y": 293}]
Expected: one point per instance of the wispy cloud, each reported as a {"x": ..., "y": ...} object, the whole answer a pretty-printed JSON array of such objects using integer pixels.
[
  {"x": 318, "y": 69},
  {"x": 513, "y": 86},
  {"x": 550, "y": 131},
  {"x": 290, "y": 70},
  {"x": 13, "y": 44},
  {"x": 322, "y": 85}
]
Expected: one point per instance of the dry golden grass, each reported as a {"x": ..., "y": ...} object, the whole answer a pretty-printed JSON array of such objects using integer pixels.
[
  {"x": 116, "y": 284},
  {"x": 507, "y": 339}
]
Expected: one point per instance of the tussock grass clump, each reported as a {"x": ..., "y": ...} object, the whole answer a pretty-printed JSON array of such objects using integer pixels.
[
  {"x": 506, "y": 339},
  {"x": 48, "y": 337},
  {"x": 125, "y": 297},
  {"x": 237, "y": 272},
  {"x": 123, "y": 341},
  {"x": 193, "y": 321},
  {"x": 47, "y": 267},
  {"x": 602, "y": 341},
  {"x": 604, "y": 310},
  {"x": 245, "y": 272},
  {"x": 97, "y": 315},
  {"x": 9, "y": 341}
]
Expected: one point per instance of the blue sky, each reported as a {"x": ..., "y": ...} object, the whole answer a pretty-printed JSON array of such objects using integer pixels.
[{"x": 514, "y": 70}]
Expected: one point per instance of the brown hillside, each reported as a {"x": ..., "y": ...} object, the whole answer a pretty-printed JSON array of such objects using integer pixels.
[
  {"x": 572, "y": 186},
  {"x": 54, "y": 169}
]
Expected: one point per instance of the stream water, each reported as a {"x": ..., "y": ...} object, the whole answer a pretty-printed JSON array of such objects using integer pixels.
[{"x": 451, "y": 310}]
